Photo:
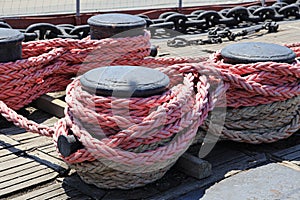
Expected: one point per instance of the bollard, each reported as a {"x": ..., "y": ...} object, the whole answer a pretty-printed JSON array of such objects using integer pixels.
[
  {"x": 109, "y": 81},
  {"x": 120, "y": 82},
  {"x": 109, "y": 25},
  {"x": 251, "y": 52},
  {"x": 11, "y": 45},
  {"x": 263, "y": 97},
  {"x": 118, "y": 25}
]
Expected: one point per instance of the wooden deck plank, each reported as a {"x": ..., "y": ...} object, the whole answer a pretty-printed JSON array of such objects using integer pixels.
[
  {"x": 16, "y": 169},
  {"x": 50, "y": 150},
  {"x": 34, "y": 180},
  {"x": 12, "y": 130},
  {"x": 6, "y": 155},
  {"x": 81, "y": 197},
  {"x": 52, "y": 162},
  {"x": 291, "y": 154},
  {"x": 39, "y": 141},
  {"x": 53, "y": 191},
  {"x": 10, "y": 177},
  {"x": 4, "y": 158},
  {"x": 60, "y": 193},
  {"x": 286, "y": 152},
  {"x": 32, "y": 144},
  {"x": 6, "y": 141},
  {"x": 22, "y": 148},
  {"x": 29, "y": 147},
  {"x": 53, "y": 153},
  {"x": 219, "y": 155},
  {"x": 21, "y": 135},
  {"x": 22, "y": 173},
  {"x": 57, "y": 95},
  {"x": 141, "y": 193},
  {"x": 25, "y": 177},
  {"x": 193, "y": 166},
  {"x": 36, "y": 193},
  {"x": 66, "y": 194},
  {"x": 51, "y": 105},
  {"x": 33, "y": 154},
  {"x": 24, "y": 136},
  {"x": 41, "y": 118},
  {"x": 47, "y": 149},
  {"x": 14, "y": 163}
]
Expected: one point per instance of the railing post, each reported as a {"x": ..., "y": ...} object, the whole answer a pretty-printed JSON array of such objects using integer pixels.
[
  {"x": 179, "y": 5},
  {"x": 77, "y": 16},
  {"x": 77, "y": 8}
]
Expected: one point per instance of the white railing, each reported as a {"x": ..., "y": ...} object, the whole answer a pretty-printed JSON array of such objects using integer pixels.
[{"x": 42, "y": 7}]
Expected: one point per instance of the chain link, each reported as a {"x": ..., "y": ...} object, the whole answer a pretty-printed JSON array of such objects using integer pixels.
[
  {"x": 196, "y": 21},
  {"x": 217, "y": 34},
  {"x": 235, "y": 17}
]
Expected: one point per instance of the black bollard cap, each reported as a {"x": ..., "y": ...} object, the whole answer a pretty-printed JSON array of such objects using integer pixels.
[
  {"x": 153, "y": 51},
  {"x": 10, "y": 44},
  {"x": 108, "y": 25},
  {"x": 251, "y": 52},
  {"x": 68, "y": 145},
  {"x": 124, "y": 81},
  {"x": 10, "y": 36}
]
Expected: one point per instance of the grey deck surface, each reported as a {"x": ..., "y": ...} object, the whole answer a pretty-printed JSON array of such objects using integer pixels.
[{"x": 31, "y": 169}]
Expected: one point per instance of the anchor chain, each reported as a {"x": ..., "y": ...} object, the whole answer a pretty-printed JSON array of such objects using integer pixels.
[
  {"x": 217, "y": 34},
  {"x": 194, "y": 22},
  {"x": 201, "y": 20},
  {"x": 44, "y": 31}
]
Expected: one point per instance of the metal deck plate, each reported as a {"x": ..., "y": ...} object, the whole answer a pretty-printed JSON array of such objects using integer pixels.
[{"x": 272, "y": 181}]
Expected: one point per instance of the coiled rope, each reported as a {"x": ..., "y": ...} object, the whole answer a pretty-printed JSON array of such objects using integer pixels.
[
  {"x": 263, "y": 99},
  {"x": 48, "y": 65},
  {"x": 146, "y": 143},
  {"x": 119, "y": 151},
  {"x": 127, "y": 152}
]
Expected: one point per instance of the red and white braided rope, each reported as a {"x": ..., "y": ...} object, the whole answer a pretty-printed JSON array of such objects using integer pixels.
[
  {"x": 48, "y": 65},
  {"x": 55, "y": 61},
  {"x": 259, "y": 83},
  {"x": 151, "y": 119}
]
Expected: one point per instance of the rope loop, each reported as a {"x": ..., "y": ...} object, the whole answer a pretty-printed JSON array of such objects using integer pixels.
[
  {"x": 262, "y": 100},
  {"x": 258, "y": 83},
  {"x": 134, "y": 141},
  {"x": 49, "y": 65},
  {"x": 136, "y": 137},
  {"x": 130, "y": 128}
]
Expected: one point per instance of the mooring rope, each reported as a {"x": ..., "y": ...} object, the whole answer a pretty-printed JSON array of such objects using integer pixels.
[
  {"x": 250, "y": 84},
  {"x": 159, "y": 128},
  {"x": 263, "y": 100},
  {"x": 48, "y": 65},
  {"x": 157, "y": 131}
]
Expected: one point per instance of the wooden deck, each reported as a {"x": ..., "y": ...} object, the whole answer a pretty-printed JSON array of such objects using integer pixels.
[{"x": 31, "y": 169}]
